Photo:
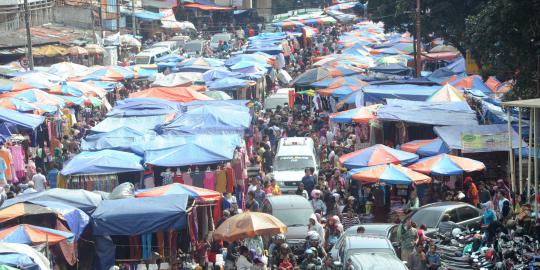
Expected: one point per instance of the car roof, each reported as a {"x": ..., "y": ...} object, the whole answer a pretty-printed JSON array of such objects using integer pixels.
[
  {"x": 367, "y": 242},
  {"x": 164, "y": 42},
  {"x": 444, "y": 206},
  {"x": 195, "y": 41},
  {"x": 288, "y": 201},
  {"x": 152, "y": 51},
  {"x": 375, "y": 229},
  {"x": 375, "y": 261}
]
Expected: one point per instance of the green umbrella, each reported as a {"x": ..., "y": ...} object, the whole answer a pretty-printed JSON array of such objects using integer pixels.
[
  {"x": 95, "y": 102},
  {"x": 217, "y": 95}
]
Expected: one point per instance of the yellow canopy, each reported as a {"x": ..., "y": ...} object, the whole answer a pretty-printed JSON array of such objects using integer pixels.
[{"x": 50, "y": 51}]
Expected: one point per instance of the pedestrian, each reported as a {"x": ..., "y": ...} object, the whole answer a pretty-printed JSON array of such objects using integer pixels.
[
  {"x": 316, "y": 202},
  {"x": 350, "y": 219},
  {"x": 408, "y": 237},
  {"x": 301, "y": 191},
  {"x": 417, "y": 260},
  {"x": 433, "y": 258},
  {"x": 333, "y": 231},
  {"x": 413, "y": 203},
  {"x": 308, "y": 180},
  {"x": 243, "y": 262},
  {"x": 251, "y": 204},
  {"x": 472, "y": 191},
  {"x": 316, "y": 227},
  {"x": 51, "y": 176},
  {"x": 39, "y": 181},
  {"x": 276, "y": 190},
  {"x": 504, "y": 209}
]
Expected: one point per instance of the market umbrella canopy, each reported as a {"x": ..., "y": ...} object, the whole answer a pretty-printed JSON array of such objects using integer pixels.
[
  {"x": 23, "y": 256},
  {"x": 94, "y": 49},
  {"x": 30, "y": 234},
  {"x": 357, "y": 115},
  {"x": 447, "y": 93},
  {"x": 445, "y": 164},
  {"x": 49, "y": 51},
  {"x": 376, "y": 155},
  {"x": 66, "y": 69},
  {"x": 106, "y": 73},
  {"x": 229, "y": 83},
  {"x": 76, "y": 50},
  {"x": 178, "y": 93},
  {"x": 21, "y": 210},
  {"x": 78, "y": 89},
  {"x": 196, "y": 193},
  {"x": 79, "y": 198},
  {"x": 389, "y": 174},
  {"x": 426, "y": 147},
  {"x": 249, "y": 224},
  {"x": 310, "y": 76},
  {"x": 12, "y": 85}
]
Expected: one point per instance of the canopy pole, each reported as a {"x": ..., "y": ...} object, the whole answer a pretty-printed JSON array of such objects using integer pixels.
[
  {"x": 535, "y": 166},
  {"x": 512, "y": 167},
  {"x": 520, "y": 158},
  {"x": 529, "y": 159}
]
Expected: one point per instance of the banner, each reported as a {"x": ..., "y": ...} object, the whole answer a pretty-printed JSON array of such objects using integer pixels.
[{"x": 484, "y": 142}]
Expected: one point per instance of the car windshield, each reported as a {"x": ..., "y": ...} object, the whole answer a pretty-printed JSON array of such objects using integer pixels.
[
  {"x": 293, "y": 217},
  {"x": 272, "y": 103},
  {"x": 428, "y": 217},
  {"x": 192, "y": 47},
  {"x": 223, "y": 37},
  {"x": 142, "y": 60},
  {"x": 293, "y": 163}
]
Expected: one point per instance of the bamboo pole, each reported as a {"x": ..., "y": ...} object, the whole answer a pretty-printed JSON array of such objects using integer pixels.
[
  {"x": 510, "y": 157},
  {"x": 529, "y": 159}
]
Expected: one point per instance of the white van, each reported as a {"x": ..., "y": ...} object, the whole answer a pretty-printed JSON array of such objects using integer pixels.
[
  {"x": 149, "y": 56},
  {"x": 171, "y": 45},
  {"x": 293, "y": 156},
  {"x": 275, "y": 100}
]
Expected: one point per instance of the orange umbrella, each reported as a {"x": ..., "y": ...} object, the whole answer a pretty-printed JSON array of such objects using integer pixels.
[
  {"x": 178, "y": 94},
  {"x": 76, "y": 50},
  {"x": 248, "y": 225},
  {"x": 23, "y": 209}
]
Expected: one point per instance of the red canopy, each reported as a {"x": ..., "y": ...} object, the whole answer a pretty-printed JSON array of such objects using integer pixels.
[
  {"x": 206, "y": 7},
  {"x": 178, "y": 94}
]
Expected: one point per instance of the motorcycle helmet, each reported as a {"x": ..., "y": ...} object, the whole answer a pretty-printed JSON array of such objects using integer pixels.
[
  {"x": 456, "y": 232},
  {"x": 279, "y": 236},
  {"x": 314, "y": 237}
]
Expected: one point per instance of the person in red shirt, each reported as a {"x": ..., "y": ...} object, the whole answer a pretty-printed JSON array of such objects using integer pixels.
[
  {"x": 251, "y": 32},
  {"x": 472, "y": 191}
]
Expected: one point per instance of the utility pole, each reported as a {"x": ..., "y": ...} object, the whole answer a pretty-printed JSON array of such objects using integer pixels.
[
  {"x": 100, "y": 10},
  {"x": 133, "y": 19},
  {"x": 118, "y": 16},
  {"x": 28, "y": 36},
  {"x": 418, "y": 56}
]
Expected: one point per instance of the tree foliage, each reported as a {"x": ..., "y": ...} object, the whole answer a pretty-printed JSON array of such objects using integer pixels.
[{"x": 505, "y": 37}]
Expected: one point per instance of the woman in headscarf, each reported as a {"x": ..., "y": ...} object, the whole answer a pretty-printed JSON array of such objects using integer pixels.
[
  {"x": 333, "y": 231},
  {"x": 315, "y": 226},
  {"x": 316, "y": 202}
]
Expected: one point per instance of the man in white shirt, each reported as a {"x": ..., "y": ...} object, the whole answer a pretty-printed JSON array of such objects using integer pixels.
[
  {"x": 30, "y": 188},
  {"x": 40, "y": 182},
  {"x": 242, "y": 263}
]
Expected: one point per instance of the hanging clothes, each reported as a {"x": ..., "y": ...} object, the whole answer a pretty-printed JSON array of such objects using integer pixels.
[
  {"x": 178, "y": 178},
  {"x": 161, "y": 243},
  {"x": 230, "y": 179},
  {"x": 167, "y": 178},
  {"x": 134, "y": 247},
  {"x": 148, "y": 178},
  {"x": 187, "y": 178},
  {"x": 103, "y": 182},
  {"x": 17, "y": 156},
  {"x": 146, "y": 246},
  {"x": 5, "y": 154},
  {"x": 221, "y": 181},
  {"x": 209, "y": 181},
  {"x": 198, "y": 178}
]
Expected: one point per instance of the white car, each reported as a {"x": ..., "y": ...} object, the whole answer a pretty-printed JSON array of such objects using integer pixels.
[
  {"x": 149, "y": 56},
  {"x": 293, "y": 156}
]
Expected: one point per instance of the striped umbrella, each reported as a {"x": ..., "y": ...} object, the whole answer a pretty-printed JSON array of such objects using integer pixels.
[
  {"x": 199, "y": 194},
  {"x": 376, "y": 155},
  {"x": 389, "y": 174},
  {"x": 445, "y": 164},
  {"x": 426, "y": 147},
  {"x": 357, "y": 115},
  {"x": 30, "y": 234}
]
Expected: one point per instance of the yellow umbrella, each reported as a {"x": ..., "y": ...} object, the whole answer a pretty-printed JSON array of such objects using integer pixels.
[
  {"x": 76, "y": 50},
  {"x": 49, "y": 51},
  {"x": 248, "y": 225}
]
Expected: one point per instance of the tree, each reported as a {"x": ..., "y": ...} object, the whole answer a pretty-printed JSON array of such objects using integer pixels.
[
  {"x": 505, "y": 37},
  {"x": 440, "y": 18}
]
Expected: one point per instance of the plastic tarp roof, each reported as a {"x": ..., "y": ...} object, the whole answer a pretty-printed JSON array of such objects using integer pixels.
[
  {"x": 76, "y": 219},
  {"x": 119, "y": 139},
  {"x": 143, "y": 107},
  {"x": 20, "y": 255},
  {"x": 208, "y": 120},
  {"x": 146, "y": 15},
  {"x": 192, "y": 153},
  {"x": 78, "y": 198},
  {"x": 161, "y": 142},
  {"x": 140, "y": 123},
  {"x": 451, "y": 135},
  {"x": 428, "y": 113},
  {"x": 103, "y": 162},
  {"x": 378, "y": 93},
  {"x": 135, "y": 216},
  {"x": 21, "y": 119},
  {"x": 229, "y": 83}
]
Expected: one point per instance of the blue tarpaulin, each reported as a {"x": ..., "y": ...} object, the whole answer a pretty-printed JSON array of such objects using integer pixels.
[
  {"x": 191, "y": 153},
  {"x": 160, "y": 142},
  {"x": 121, "y": 138},
  {"x": 428, "y": 113},
  {"x": 78, "y": 198},
  {"x": 451, "y": 135},
  {"x": 208, "y": 120},
  {"x": 228, "y": 83},
  {"x": 146, "y": 15},
  {"x": 378, "y": 93},
  {"x": 143, "y": 107},
  {"x": 103, "y": 162},
  {"x": 76, "y": 219},
  {"x": 23, "y": 120},
  {"x": 136, "y": 216},
  {"x": 140, "y": 123}
]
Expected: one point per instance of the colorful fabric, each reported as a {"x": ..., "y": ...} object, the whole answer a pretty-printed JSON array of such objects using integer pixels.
[
  {"x": 221, "y": 181},
  {"x": 209, "y": 181}
]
